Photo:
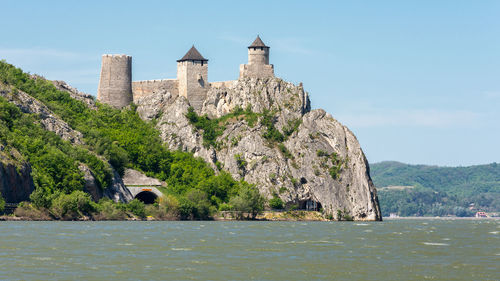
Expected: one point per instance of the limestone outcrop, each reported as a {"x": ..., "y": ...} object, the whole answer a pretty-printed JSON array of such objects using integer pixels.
[
  {"x": 88, "y": 99},
  {"x": 48, "y": 119},
  {"x": 317, "y": 164},
  {"x": 16, "y": 183}
]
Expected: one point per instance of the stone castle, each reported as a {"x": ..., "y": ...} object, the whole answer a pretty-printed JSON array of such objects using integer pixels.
[{"x": 117, "y": 89}]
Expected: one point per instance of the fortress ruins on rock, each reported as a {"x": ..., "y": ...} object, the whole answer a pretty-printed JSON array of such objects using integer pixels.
[{"x": 117, "y": 89}]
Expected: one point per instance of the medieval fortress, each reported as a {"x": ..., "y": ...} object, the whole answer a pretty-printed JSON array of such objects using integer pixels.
[{"x": 117, "y": 89}]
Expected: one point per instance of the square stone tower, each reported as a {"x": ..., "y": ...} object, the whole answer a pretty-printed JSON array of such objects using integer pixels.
[
  {"x": 258, "y": 61},
  {"x": 192, "y": 76}
]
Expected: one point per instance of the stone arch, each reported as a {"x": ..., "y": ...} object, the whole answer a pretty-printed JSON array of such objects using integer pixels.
[{"x": 147, "y": 197}]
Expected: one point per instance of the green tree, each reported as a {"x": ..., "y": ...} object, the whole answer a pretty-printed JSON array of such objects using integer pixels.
[
  {"x": 276, "y": 203},
  {"x": 248, "y": 201}
]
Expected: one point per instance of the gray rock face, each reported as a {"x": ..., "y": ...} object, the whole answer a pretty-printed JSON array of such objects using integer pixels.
[
  {"x": 91, "y": 185},
  {"x": 74, "y": 93},
  {"x": 16, "y": 183},
  {"x": 118, "y": 192},
  {"x": 320, "y": 161},
  {"x": 134, "y": 177},
  {"x": 48, "y": 119}
]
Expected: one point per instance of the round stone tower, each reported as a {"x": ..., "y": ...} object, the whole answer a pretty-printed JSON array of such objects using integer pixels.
[
  {"x": 258, "y": 61},
  {"x": 115, "y": 83},
  {"x": 258, "y": 52}
]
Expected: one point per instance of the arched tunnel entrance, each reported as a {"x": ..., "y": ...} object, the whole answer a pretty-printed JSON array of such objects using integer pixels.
[
  {"x": 147, "y": 197},
  {"x": 309, "y": 205}
]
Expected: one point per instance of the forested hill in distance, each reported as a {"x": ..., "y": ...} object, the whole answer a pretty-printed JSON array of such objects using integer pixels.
[{"x": 423, "y": 190}]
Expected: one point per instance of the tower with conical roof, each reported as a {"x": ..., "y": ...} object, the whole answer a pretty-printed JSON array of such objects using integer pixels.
[
  {"x": 258, "y": 61},
  {"x": 192, "y": 76}
]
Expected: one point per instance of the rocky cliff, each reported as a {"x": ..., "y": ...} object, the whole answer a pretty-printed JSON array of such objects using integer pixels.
[
  {"x": 16, "y": 183},
  {"x": 277, "y": 142}
]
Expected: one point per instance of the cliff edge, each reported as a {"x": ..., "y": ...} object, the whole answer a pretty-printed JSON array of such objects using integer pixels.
[{"x": 264, "y": 131}]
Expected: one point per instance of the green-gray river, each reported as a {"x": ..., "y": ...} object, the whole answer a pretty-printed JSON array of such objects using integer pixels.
[{"x": 417, "y": 249}]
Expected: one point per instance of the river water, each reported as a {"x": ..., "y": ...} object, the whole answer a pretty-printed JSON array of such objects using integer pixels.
[{"x": 419, "y": 249}]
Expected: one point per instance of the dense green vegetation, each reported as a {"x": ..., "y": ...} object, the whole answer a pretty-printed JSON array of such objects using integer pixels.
[
  {"x": 214, "y": 128},
  {"x": 276, "y": 203},
  {"x": 54, "y": 161},
  {"x": 120, "y": 137},
  {"x": 437, "y": 191}
]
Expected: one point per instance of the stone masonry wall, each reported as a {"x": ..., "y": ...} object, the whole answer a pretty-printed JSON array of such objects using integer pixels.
[
  {"x": 223, "y": 84},
  {"x": 115, "y": 84},
  {"x": 258, "y": 55},
  {"x": 192, "y": 77},
  {"x": 142, "y": 89},
  {"x": 256, "y": 70}
]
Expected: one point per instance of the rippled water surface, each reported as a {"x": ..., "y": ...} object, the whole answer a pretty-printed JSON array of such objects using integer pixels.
[{"x": 389, "y": 250}]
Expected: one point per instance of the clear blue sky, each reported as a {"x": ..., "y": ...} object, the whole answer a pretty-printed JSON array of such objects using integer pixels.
[{"x": 416, "y": 81}]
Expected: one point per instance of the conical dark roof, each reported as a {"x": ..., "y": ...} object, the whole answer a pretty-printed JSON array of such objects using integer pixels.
[
  {"x": 258, "y": 43},
  {"x": 193, "y": 55}
]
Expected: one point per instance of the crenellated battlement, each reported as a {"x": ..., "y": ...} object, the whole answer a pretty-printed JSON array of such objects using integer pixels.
[
  {"x": 117, "y": 56},
  {"x": 117, "y": 89}
]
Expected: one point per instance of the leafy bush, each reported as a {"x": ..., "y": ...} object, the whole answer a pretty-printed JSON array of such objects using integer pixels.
[
  {"x": 248, "y": 201},
  {"x": 240, "y": 161},
  {"x": 271, "y": 134},
  {"x": 292, "y": 126},
  {"x": 211, "y": 128},
  {"x": 276, "y": 203},
  {"x": 136, "y": 207},
  {"x": 344, "y": 215},
  {"x": 225, "y": 207},
  {"x": 285, "y": 151},
  {"x": 72, "y": 206},
  {"x": 109, "y": 210}
]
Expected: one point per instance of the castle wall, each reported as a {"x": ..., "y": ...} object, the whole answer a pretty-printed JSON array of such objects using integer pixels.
[
  {"x": 256, "y": 70},
  {"x": 192, "y": 77},
  {"x": 146, "y": 88},
  {"x": 223, "y": 84},
  {"x": 115, "y": 83}
]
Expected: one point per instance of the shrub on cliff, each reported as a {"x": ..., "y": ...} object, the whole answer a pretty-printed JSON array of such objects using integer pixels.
[
  {"x": 276, "y": 203},
  {"x": 248, "y": 202}
]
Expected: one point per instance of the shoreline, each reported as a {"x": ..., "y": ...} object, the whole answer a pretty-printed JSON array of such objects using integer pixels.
[
  {"x": 221, "y": 216},
  {"x": 440, "y": 218}
]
